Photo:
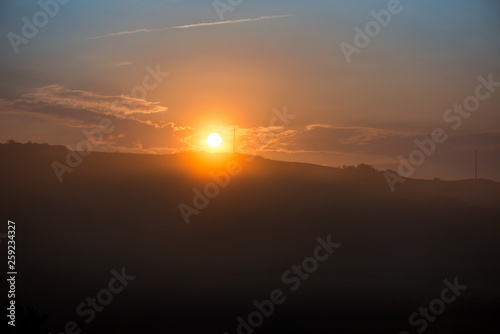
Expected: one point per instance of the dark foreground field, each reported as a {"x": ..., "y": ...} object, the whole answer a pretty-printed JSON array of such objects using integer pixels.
[{"x": 118, "y": 211}]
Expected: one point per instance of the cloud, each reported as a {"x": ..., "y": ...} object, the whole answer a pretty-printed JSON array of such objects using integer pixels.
[
  {"x": 126, "y": 33},
  {"x": 123, "y": 63},
  {"x": 196, "y": 25},
  {"x": 257, "y": 139},
  {"x": 59, "y": 96},
  {"x": 320, "y": 138},
  {"x": 70, "y": 124},
  {"x": 233, "y": 22},
  {"x": 69, "y": 112},
  {"x": 314, "y": 138}
]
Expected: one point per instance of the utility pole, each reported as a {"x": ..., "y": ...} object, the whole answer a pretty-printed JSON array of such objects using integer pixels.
[{"x": 475, "y": 163}]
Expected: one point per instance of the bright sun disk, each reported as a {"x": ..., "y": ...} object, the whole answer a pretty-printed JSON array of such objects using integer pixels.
[{"x": 214, "y": 139}]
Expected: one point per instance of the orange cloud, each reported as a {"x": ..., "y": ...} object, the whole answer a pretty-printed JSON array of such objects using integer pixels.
[{"x": 59, "y": 96}]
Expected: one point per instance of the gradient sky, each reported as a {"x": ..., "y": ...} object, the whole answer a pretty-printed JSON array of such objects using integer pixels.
[{"x": 264, "y": 57}]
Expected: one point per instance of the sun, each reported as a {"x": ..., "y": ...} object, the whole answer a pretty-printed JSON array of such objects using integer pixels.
[{"x": 214, "y": 139}]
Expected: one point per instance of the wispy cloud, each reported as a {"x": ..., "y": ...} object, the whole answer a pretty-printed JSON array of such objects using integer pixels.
[
  {"x": 126, "y": 33},
  {"x": 232, "y": 22},
  {"x": 59, "y": 96},
  {"x": 123, "y": 63},
  {"x": 196, "y": 25}
]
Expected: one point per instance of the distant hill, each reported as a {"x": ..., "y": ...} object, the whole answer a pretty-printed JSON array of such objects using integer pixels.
[{"x": 119, "y": 210}]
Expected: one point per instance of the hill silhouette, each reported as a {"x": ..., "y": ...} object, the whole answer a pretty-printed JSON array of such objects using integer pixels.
[{"x": 118, "y": 210}]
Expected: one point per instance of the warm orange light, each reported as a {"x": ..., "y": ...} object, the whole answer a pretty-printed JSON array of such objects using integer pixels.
[{"x": 214, "y": 139}]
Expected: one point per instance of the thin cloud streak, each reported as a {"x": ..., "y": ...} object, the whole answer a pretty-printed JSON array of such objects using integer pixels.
[
  {"x": 191, "y": 26},
  {"x": 126, "y": 33},
  {"x": 232, "y": 22}
]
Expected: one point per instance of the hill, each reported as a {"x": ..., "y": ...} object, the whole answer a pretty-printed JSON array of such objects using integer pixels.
[{"x": 250, "y": 220}]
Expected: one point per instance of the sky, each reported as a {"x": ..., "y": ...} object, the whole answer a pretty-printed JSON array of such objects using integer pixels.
[{"x": 168, "y": 73}]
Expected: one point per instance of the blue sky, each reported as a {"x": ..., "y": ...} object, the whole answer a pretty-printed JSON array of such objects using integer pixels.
[{"x": 234, "y": 74}]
